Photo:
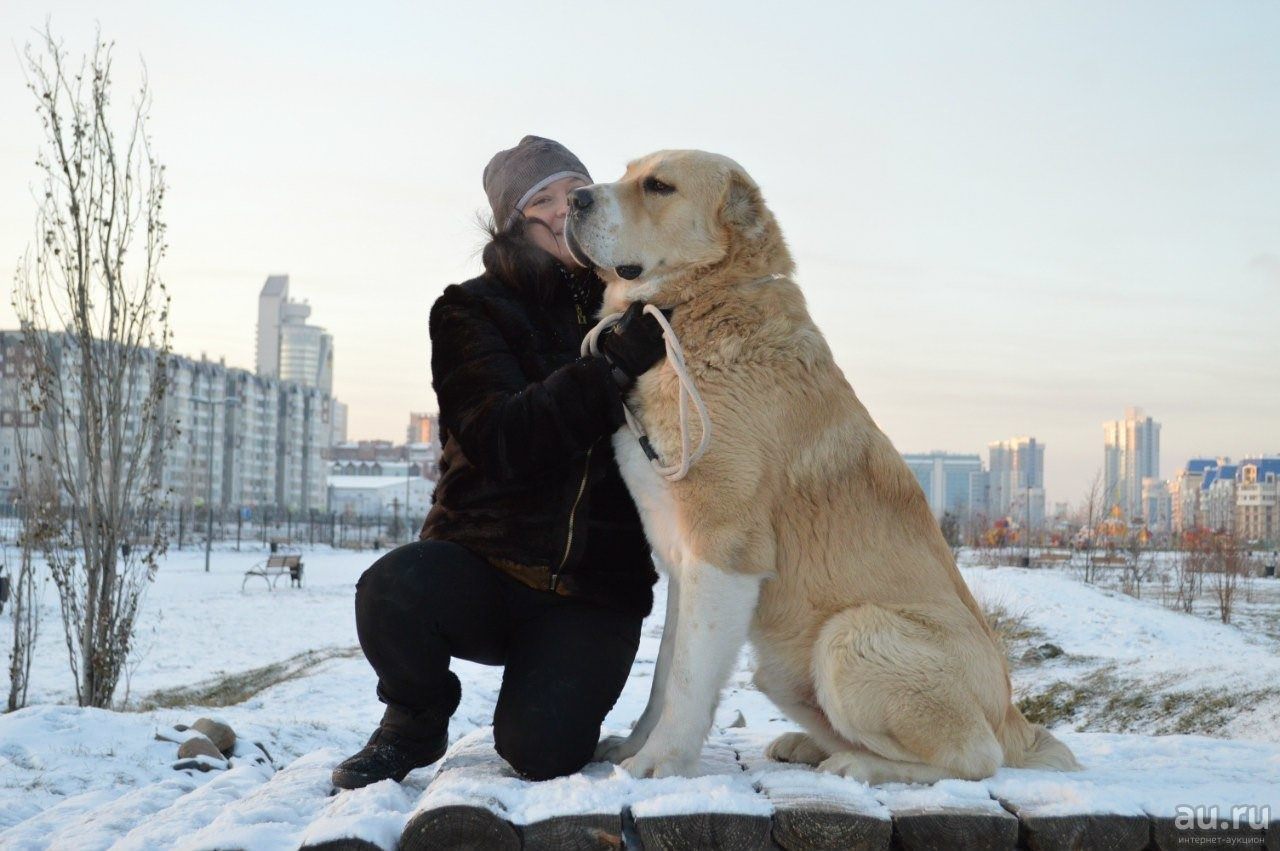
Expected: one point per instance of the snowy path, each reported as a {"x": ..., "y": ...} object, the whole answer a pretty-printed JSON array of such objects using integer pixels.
[{"x": 80, "y": 778}]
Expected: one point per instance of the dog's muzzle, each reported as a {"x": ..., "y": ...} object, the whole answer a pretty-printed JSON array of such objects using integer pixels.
[{"x": 575, "y": 247}]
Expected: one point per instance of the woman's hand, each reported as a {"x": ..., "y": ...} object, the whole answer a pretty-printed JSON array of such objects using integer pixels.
[{"x": 635, "y": 344}]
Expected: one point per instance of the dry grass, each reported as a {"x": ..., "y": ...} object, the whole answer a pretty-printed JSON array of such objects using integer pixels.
[
  {"x": 230, "y": 689},
  {"x": 1010, "y": 626}
]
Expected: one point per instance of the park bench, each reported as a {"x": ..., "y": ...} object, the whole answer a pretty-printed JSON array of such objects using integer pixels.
[{"x": 276, "y": 566}]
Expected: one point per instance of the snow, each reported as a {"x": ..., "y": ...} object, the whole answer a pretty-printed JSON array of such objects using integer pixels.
[
  {"x": 1128, "y": 775},
  {"x": 470, "y": 776},
  {"x": 96, "y": 779},
  {"x": 1146, "y": 647},
  {"x": 376, "y": 813}
]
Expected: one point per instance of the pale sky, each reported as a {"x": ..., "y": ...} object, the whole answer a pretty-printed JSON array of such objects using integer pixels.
[{"x": 1009, "y": 218}]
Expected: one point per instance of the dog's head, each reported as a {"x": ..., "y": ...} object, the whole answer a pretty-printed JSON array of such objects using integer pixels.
[{"x": 673, "y": 216}]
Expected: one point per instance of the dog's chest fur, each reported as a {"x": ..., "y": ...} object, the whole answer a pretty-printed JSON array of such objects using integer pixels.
[{"x": 654, "y": 499}]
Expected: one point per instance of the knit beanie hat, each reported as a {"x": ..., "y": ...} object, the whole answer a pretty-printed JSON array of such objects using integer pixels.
[{"x": 515, "y": 175}]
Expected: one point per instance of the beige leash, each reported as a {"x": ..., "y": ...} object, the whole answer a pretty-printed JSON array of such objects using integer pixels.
[{"x": 688, "y": 393}]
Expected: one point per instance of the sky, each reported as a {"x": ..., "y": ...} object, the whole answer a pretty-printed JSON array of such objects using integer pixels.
[{"x": 1008, "y": 218}]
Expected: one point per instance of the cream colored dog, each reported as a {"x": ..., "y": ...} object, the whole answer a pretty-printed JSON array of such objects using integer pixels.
[{"x": 801, "y": 528}]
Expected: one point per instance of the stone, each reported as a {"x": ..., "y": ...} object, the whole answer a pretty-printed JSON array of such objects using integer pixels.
[
  {"x": 200, "y": 763},
  {"x": 177, "y": 734},
  {"x": 222, "y": 736},
  {"x": 1041, "y": 653},
  {"x": 198, "y": 746}
]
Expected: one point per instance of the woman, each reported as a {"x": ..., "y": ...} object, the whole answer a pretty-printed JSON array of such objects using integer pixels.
[{"x": 532, "y": 556}]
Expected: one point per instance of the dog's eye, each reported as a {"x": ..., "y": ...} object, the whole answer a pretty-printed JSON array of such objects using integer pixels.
[{"x": 653, "y": 184}]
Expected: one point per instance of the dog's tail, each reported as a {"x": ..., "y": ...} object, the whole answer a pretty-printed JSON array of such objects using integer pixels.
[{"x": 1028, "y": 745}]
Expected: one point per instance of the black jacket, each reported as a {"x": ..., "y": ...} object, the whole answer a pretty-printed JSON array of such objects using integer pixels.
[{"x": 527, "y": 476}]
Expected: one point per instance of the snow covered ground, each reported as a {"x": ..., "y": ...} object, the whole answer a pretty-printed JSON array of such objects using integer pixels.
[{"x": 93, "y": 779}]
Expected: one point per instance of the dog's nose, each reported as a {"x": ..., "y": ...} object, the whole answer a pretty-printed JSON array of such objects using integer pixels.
[{"x": 580, "y": 199}]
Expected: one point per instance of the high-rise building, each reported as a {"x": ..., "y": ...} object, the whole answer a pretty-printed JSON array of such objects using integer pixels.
[
  {"x": 303, "y": 436},
  {"x": 979, "y": 497},
  {"x": 271, "y": 301},
  {"x": 1258, "y": 499},
  {"x": 422, "y": 428},
  {"x": 252, "y": 426},
  {"x": 339, "y": 423},
  {"x": 944, "y": 477},
  {"x": 1184, "y": 494},
  {"x": 1131, "y": 453},
  {"x": 231, "y": 436},
  {"x": 1157, "y": 505},
  {"x": 19, "y": 424},
  {"x": 1218, "y": 498},
  {"x": 1014, "y": 466},
  {"x": 288, "y": 348}
]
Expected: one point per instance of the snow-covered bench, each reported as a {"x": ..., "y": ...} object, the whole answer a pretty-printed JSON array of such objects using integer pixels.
[{"x": 276, "y": 566}]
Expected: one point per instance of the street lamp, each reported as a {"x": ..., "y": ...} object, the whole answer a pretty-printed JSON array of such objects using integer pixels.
[{"x": 208, "y": 502}]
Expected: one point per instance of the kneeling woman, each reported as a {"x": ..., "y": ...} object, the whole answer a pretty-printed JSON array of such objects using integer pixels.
[{"x": 532, "y": 556}]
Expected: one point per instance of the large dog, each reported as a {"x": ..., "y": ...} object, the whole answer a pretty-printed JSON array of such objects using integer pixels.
[{"x": 801, "y": 527}]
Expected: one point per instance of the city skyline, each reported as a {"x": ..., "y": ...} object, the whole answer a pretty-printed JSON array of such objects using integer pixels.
[{"x": 1007, "y": 221}]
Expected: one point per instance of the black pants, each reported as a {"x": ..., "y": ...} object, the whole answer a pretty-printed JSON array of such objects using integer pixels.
[{"x": 566, "y": 660}]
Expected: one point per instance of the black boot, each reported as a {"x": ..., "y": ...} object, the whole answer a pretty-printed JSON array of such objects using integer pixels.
[{"x": 399, "y": 745}]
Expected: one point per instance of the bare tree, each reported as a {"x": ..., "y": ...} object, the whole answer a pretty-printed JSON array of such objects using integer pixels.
[
  {"x": 1228, "y": 564},
  {"x": 1138, "y": 565},
  {"x": 1189, "y": 567},
  {"x": 26, "y": 600},
  {"x": 1090, "y": 513},
  {"x": 95, "y": 318},
  {"x": 950, "y": 525}
]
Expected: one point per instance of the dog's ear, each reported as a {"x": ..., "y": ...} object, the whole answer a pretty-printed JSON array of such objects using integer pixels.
[{"x": 742, "y": 208}]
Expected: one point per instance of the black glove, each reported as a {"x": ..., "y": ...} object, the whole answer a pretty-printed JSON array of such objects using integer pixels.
[{"x": 635, "y": 344}]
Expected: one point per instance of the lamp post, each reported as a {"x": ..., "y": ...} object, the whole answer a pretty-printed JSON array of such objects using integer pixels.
[{"x": 208, "y": 502}]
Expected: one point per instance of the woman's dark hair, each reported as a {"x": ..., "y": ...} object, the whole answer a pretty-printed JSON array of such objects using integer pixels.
[{"x": 515, "y": 259}]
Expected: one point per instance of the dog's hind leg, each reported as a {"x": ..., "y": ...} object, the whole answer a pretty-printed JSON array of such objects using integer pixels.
[
  {"x": 898, "y": 683},
  {"x": 715, "y": 610},
  {"x": 808, "y": 748},
  {"x": 617, "y": 748}
]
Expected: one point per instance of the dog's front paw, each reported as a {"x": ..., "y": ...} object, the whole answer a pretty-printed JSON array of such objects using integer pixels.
[
  {"x": 650, "y": 763},
  {"x": 795, "y": 747},
  {"x": 616, "y": 748}
]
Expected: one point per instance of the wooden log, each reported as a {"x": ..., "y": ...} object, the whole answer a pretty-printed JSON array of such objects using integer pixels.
[
  {"x": 602, "y": 831},
  {"x": 663, "y": 823},
  {"x": 1043, "y": 831},
  {"x": 343, "y": 845},
  {"x": 1168, "y": 836},
  {"x": 815, "y": 812},
  {"x": 458, "y": 826},
  {"x": 1072, "y": 832},
  {"x": 704, "y": 830},
  {"x": 819, "y": 827},
  {"x": 949, "y": 828},
  {"x": 453, "y": 814},
  {"x": 1273, "y": 836}
]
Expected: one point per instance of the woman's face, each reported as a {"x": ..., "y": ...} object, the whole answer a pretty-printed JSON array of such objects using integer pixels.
[{"x": 550, "y": 207}]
